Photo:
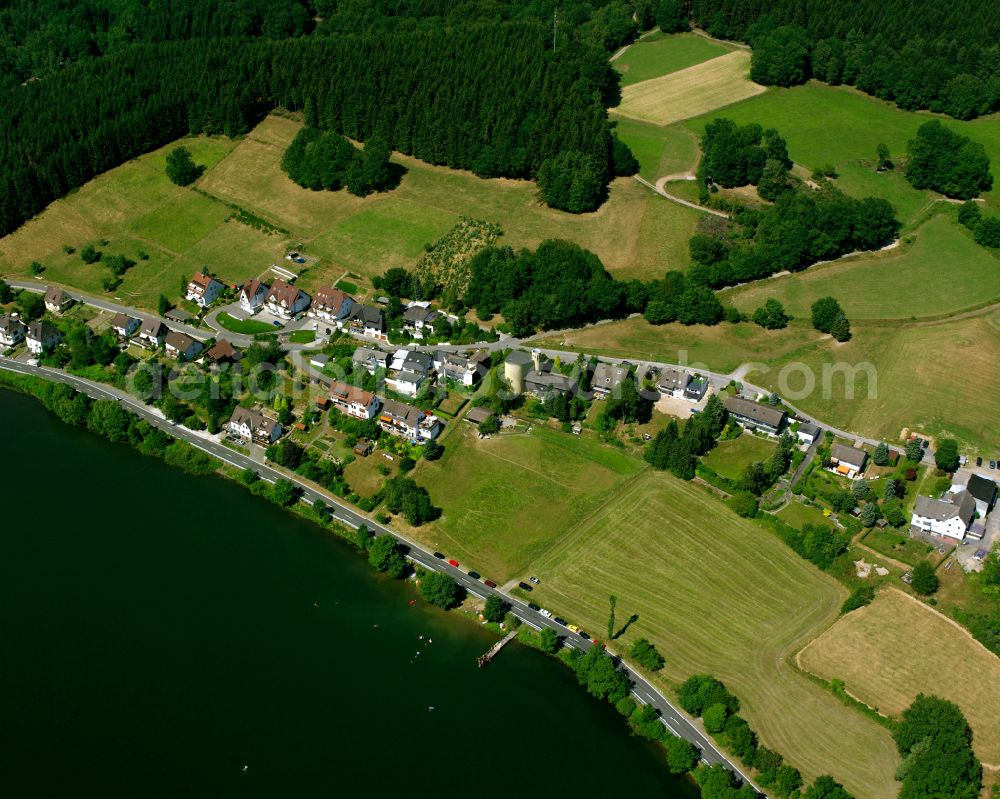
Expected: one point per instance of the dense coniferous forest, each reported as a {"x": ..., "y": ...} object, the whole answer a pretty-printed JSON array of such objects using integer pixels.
[
  {"x": 495, "y": 89},
  {"x": 917, "y": 53}
]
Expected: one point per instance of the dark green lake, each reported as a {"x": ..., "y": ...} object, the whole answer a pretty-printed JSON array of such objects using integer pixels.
[{"x": 159, "y": 632}]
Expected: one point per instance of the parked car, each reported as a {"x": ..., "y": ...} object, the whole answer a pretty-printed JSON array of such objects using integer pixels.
[
  {"x": 534, "y": 580},
  {"x": 525, "y": 587},
  {"x": 489, "y": 584},
  {"x": 979, "y": 461},
  {"x": 546, "y": 613},
  {"x": 993, "y": 464},
  {"x": 584, "y": 634},
  {"x": 925, "y": 443},
  {"x": 474, "y": 575},
  {"x": 534, "y": 607},
  {"x": 439, "y": 556},
  {"x": 453, "y": 562},
  {"x": 573, "y": 627},
  {"x": 559, "y": 620}
]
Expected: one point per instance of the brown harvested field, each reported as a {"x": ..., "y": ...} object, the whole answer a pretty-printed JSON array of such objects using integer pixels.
[
  {"x": 888, "y": 652},
  {"x": 690, "y": 92}
]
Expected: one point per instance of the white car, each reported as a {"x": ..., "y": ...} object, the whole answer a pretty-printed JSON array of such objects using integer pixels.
[{"x": 547, "y": 614}]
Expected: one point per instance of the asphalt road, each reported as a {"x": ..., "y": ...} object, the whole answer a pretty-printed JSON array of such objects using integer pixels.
[{"x": 673, "y": 718}]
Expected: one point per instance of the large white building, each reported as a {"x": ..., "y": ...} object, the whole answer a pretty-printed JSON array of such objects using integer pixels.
[{"x": 949, "y": 516}]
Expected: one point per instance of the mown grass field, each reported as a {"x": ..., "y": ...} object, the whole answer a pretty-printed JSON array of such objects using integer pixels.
[
  {"x": 841, "y": 126},
  {"x": 731, "y": 458},
  {"x": 942, "y": 272},
  {"x": 659, "y": 150},
  {"x": 939, "y": 378},
  {"x": 660, "y": 54},
  {"x": 897, "y": 544},
  {"x": 798, "y": 515},
  {"x": 888, "y": 652},
  {"x": 137, "y": 209},
  {"x": 718, "y": 594},
  {"x": 508, "y": 498},
  {"x": 719, "y": 348},
  {"x": 691, "y": 92}
]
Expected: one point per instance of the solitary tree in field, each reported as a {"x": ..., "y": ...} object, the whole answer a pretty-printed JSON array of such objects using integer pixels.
[
  {"x": 924, "y": 581},
  {"x": 841, "y": 328},
  {"x": 181, "y": 168},
  {"x": 771, "y": 315},
  {"x": 825, "y": 312},
  {"x": 883, "y": 158}
]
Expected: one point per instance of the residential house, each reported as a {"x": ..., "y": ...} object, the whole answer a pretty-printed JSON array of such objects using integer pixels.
[
  {"x": 949, "y": 516},
  {"x": 203, "y": 290},
  {"x": 754, "y": 415},
  {"x": 370, "y": 359},
  {"x": 608, "y": 377},
  {"x": 848, "y": 461},
  {"x": 152, "y": 333},
  {"x": 541, "y": 380},
  {"x": 673, "y": 382},
  {"x": 419, "y": 318},
  {"x": 125, "y": 325},
  {"x": 983, "y": 491},
  {"x": 331, "y": 305},
  {"x": 319, "y": 360},
  {"x": 181, "y": 346},
  {"x": 12, "y": 331},
  {"x": 807, "y": 433},
  {"x": 406, "y": 421},
  {"x": 459, "y": 369},
  {"x": 286, "y": 301},
  {"x": 354, "y": 401},
  {"x": 409, "y": 371},
  {"x": 42, "y": 337},
  {"x": 252, "y": 425},
  {"x": 696, "y": 388},
  {"x": 57, "y": 300},
  {"x": 367, "y": 320},
  {"x": 253, "y": 295},
  {"x": 223, "y": 352}
]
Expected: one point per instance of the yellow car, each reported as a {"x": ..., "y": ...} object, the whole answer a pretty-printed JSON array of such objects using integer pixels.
[{"x": 573, "y": 627}]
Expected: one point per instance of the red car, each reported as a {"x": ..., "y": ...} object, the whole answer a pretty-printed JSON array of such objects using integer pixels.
[{"x": 453, "y": 563}]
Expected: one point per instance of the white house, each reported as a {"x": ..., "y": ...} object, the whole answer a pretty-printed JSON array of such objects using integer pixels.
[
  {"x": 252, "y": 425},
  {"x": 419, "y": 317},
  {"x": 367, "y": 320},
  {"x": 409, "y": 371},
  {"x": 42, "y": 337},
  {"x": 57, "y": 300},
  {"x": 252, "y": 295},
  {"x": 354, "y": 401},
  {"x": 848, "y": 461},
  {"x": 406, "y": 421},
  {"x": 203, "y": 290},
  {"x": 125, "y": 325},
  {"x": 152, "y": 332},
  {"x": 949, "y": 516},
  {"x": 286, "y": 301},
  {"x": 461, "y": 370},
  {"x": 672, "y": 382},
  {"x": 181, "y": 346},
  {"x": 807, "y": 433},
  {"x": 12, "y": 331},
  {"x": 371, "y": 360},
  {"x": 331, "y": 305}
]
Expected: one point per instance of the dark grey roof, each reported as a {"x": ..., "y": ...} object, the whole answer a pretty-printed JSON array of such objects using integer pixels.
[
  {"x": 982, "y": 488},
  {"x": 122, "y": 320},
  {"x": 809, "y": 429},
  {"x": 850, "y": 455},
  {"x": 549, "y": 380},
  {"x": 153, "y": 327},
  {"x": 42, "y": 331},
  {"x": 478, "y": 415},
  {"x": 609, "y": 376},
  {"x": 402, "y": 412},
  {"x": 961, "y": 505},
  {"x": 371, "y": 316},
  {"x": 748, "y": 409},
  {"x": 364, "y": 354},
  {"x": 11, "y": 325},
  {"x": 673, "y": 379}
]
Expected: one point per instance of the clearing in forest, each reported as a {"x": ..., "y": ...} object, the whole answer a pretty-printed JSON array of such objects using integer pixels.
[
  {"x": 692, "y": 91},
  {"x": 897, "y": 647}
]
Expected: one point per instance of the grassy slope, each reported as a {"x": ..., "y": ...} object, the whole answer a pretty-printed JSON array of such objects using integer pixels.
[
  {"x": 840, "y": 126},
  {"x": 509, "y": 498},
  {"x": 655, "y": 56},
  {"x": 630, "y": 232},
  {"x": 718, "y": 594},
  {"x": 872, "y": 650},
  {"x": 730, "y": 458},
  {"x": 941, "y": 272}
]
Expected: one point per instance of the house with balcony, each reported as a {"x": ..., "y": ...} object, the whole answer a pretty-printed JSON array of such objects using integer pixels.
[
  {"x": 12, "y": 331},
  {"x": 253, "y": 294},
  {"x": 331, "y": 305},
  {"x": 285, "y": 300},
  {"x": 125, "y": 325},
  {"x": 57, "y": 300},
  {"x": 253, "y": 426},
  {"x": 406, "y": 421},
  {"x": 354, "y": 401},
  {"x": 42, "y": 337},
  {"x": 203, "y": 290}
]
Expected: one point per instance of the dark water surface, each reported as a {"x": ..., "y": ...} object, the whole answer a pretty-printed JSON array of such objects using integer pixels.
[{"x": 159, "y": 632}]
